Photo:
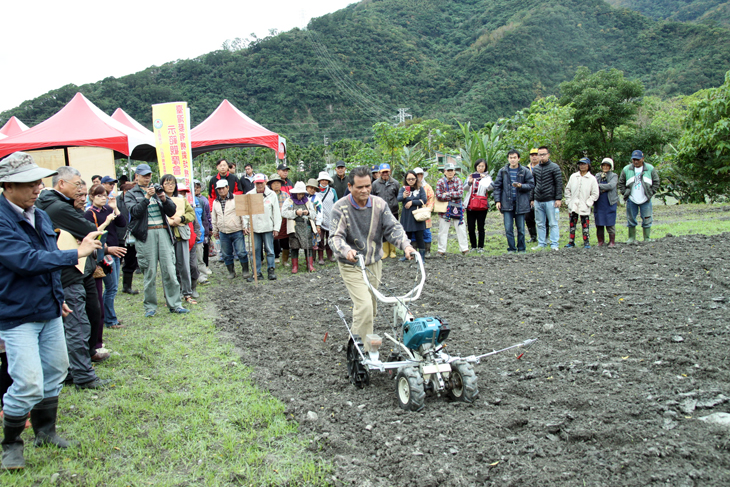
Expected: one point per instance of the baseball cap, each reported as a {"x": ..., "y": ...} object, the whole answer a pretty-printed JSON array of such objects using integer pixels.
[
  {"x": 418, "y": 170},
  {"x": 143, "y": 170},
  {"x": 19, "y": 167},
  {"x": 375, "y": 168},
  {"x": 385, "y": 167},
  {"x": 108, "y": 179},
  {"x": 584, "y": 160},
  {"x": 533, "y": 151},
  {"x": 340, "y": 164},
  {"x": 222, "y": 183},
  {"x": 637, "y": 154},
  {"x": 259, "y": 178},
  {"x": 282, "y": 167},
  {"x": 449, "y": 166}
]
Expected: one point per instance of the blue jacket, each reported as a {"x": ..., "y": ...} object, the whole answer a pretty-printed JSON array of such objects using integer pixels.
[
  {"x": 30, "y": 268},
  {"x": 503, "y": 189}
]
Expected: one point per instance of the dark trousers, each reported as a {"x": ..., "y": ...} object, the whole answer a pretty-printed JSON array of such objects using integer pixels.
[
  {"x": 206, "y": 253},
  {"x": 130, "y": 260},
  {"x": 93, "y": 313},
  {"x": 475, "y": 221},
  {"x": 78, "y": 330},
  {"x": 418, "y": 237}
]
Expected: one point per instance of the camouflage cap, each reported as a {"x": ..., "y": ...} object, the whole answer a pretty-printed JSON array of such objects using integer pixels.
[{"x": 19, "y": 167}]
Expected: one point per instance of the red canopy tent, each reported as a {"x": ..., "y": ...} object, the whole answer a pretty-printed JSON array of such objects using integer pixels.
[
  {"x": 145, "y": 152},
  {"x": 13, "y": 127},
  {"x": 79, "y": 124},
  {"x": 228, "y": 127}
]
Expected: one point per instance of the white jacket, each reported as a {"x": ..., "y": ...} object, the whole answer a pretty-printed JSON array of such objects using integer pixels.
[
  {"x": 270, "y": 219},
  {"x": 581, "y": 192},
  {"x": 229, "y": 222}
]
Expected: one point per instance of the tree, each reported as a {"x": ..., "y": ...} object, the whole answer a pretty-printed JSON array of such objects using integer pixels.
[
  {"x": 603, "y": 101},
  {"x": 703, "y": 152},
  {"x": 486, "y": 144}
]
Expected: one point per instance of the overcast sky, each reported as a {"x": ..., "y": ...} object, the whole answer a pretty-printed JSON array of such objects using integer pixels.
[{"x": 49, "y": 44}]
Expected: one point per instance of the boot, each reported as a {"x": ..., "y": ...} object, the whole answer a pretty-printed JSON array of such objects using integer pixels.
[
  {"x": 127, "y": 278},
  {"x": 428, "y": 251},
  {"x": 386, "y": 250},
  {"x": 422, "y": 252},
  {"x": 285, "y": 258},
  {"x": 611, "y": 241},
  {"x": 600, "y": 236},
  {"x": 231, "y": 271},
  {"x": 295, "y": 262},
  {"x": 13, "y": 426},
  {"x": 43, "y": 418},
  {"x": 246, "y": 272},
  {"x": 647, "y": 234},
  {"x": 194, "y": 285},
  {"x": 272, "y": 274},
  {"x": 330, "y": 255},
  {"x": 632, "y": 236},
  {"x": 260, "y": 277},
  {"x": 320, "y": 252},
  {"x": 393, "y": 248},
  {"x": 310, "y": 263}
]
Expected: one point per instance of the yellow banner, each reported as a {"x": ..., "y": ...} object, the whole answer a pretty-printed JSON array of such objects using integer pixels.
[{"x": 171, "y": 122}]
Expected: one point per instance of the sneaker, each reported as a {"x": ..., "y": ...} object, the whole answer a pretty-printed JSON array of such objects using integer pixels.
[
  {"x": 179, "y": 311},
  {"x": 570, "y": 245},
  {"x": 208, "y": 271},
  {"x": 94, "y": 384},
  {"x": 150, "y": 314},
  {"x": 538, "y": 247},
  {"x": 586, "y": 245},
  {"x": 532, "y": 240},
  {"x": 555, "y": 248}
]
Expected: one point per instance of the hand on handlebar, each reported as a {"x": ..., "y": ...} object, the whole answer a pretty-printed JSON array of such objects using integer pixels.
[
  {"x": 352, "y": 255},
  {"x": 410, "y": 252}
]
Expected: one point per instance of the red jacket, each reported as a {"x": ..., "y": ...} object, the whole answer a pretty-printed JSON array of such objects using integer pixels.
[{"x": 233, "y": 185}]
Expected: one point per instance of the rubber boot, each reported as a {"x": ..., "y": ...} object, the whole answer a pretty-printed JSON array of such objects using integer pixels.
[
  {"x": 600, "y": 236},
  {"x": 231, "y": 271},
  {"x": 43, "y": 418},
  {"x": 12, "y": 444},
  {"x": 295, "y": 262},
  {"x": 428, "y": 250},
  {"x": 246, "y": 271},
  {"x": 272, "y": 274},
  {"x": 285, "y": 258},
  {"x": 127, "y": 278},
  {"x": 393, "y": 248},
  {"x": 647, "y": 234},
  {"x": 259, "y": 275},
  {"x": 632, "y": 236},
  {"x": 422, "y": 252},
  {"x": 310, "y": 262},
  {"x": 330, "y": 255},
  {"x": 320, "y": 252},
  {"x": 612, "y": 241},
  {"x": 386, "y": 250}
]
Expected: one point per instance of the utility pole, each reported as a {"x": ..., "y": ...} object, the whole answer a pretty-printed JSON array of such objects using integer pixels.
[{"x": 402, "y": 116}]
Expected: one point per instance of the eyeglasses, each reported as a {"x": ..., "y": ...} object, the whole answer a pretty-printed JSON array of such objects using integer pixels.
[
  {"x": 410, "y": 179},
  {"x": 77, "y": 183},
  {"x": 542, "y": 154}
]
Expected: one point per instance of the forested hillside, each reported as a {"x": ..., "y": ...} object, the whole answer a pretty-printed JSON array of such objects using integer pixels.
[
  {"x": 681, "y": 10},
  {"x": 467, "y": 60}
]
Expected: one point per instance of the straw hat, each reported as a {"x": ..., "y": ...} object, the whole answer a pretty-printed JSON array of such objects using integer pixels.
[{"x": 298, "y": 188}]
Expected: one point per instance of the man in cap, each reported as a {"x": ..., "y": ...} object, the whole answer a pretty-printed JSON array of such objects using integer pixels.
[
  {"x": 230, "y": 229},
  {"x": 638, "y": 182},
  {"x": 375, "y": 173},
  {"x": 265, "y": 226},
  {"x": 283, "y": 171},
  {"x": 30, "y": 322},
  {"x": 148, "y": 211},
  {"x": 387, "y": 188},
  {"x": 360, "y": 223},
  {"x": 339, "y": 183},
  {"x": 450, "y": 188}
]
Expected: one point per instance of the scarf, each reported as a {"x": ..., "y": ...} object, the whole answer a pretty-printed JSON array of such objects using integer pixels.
[{"x": 302, "y": 201}]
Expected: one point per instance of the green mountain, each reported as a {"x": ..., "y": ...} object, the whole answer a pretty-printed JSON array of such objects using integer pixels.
[
  {"x": 681, "y": 10},
  {"x": 461, "y": 60}
]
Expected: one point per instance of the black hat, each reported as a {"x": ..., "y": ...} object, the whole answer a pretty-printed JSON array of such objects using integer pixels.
[
  {"x": 282, "y": 167},
  {"x": 340, "y": 164}
]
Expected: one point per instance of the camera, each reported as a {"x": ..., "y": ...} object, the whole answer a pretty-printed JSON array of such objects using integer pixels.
[{"x": 158, "y": 189}]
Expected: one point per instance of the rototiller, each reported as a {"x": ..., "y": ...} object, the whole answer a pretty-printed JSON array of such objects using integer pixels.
[{"x": 419, "y": 361}]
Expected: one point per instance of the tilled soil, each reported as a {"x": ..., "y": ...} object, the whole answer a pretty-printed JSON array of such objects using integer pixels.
[{"x": 633, "y": 348}]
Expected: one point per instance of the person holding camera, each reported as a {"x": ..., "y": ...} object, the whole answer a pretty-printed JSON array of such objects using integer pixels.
[
  {"x": 512, "y": 189},
  {"x": 148, "y": 208}
]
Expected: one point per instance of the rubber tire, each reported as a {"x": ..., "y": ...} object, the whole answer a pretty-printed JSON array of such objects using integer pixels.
[
  {"x": 463, "y": 382},
  {"x": 409, "y": 389},
  {"x": 393, "y": 357},
  {"x": 359, "y": 375}
]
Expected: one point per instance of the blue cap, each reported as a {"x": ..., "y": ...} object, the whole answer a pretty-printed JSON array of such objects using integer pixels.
[
  {"x": 143, "y": 170},
  {"x": 375, "y": 168},
  {"x": 584, "y": 160},
  {"x": 637, "y": 154},
  {"x": 108, "y": 179},
  {"x": 385, "y": 167}
]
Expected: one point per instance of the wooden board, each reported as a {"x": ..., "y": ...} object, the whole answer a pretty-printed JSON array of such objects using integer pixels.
[
  {"x": 90, "y": 161},
  {"x": 249, "y": 204},
  {"x": 48, "y": 159},
  {"x": 66, "y": 241}
]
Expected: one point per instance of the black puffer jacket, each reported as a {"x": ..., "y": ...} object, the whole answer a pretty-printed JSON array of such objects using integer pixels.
[
  {"x": 548, "y": 182},
  {"x": 137, "y": 205}
]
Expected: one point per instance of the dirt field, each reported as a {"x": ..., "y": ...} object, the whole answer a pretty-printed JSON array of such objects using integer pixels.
[{"x": 633, "y": 349}]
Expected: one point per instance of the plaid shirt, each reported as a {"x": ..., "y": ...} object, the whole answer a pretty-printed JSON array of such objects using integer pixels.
[{"x": 451, "y": 191}]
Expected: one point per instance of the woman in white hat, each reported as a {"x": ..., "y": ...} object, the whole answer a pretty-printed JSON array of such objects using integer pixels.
[
  {"x": 604, "y": 210},
  {"x": 328, "y": 196},
  {"x": 300, "y": 215}
]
